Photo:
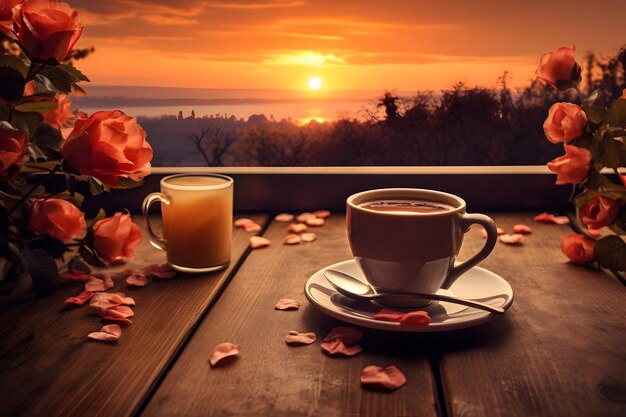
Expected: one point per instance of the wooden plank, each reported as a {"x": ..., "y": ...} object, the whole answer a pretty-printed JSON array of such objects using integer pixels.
[
  {"x": 270, "y": 378},
  {"x": 48, "y": 368},
  {"x": 559, "y": 349}
]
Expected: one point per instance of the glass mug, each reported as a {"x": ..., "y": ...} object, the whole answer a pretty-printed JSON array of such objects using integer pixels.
[{"x": 197, "y": 213}]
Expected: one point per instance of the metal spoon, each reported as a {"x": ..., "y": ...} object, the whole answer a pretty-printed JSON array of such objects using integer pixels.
[{"x": 354, "y": 288}]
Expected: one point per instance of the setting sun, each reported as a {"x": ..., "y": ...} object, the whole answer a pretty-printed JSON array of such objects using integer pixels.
[{"x": 315, "y": 83}]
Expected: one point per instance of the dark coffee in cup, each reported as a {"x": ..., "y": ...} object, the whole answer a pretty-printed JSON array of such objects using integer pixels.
[{"x": 406, "y": 206}]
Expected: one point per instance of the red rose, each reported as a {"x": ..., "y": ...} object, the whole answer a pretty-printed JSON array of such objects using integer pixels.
[
  {"x": 57, "y": 218},
  {"x": 559, "y": 66},
  {"x": 6, "y": 15},
  {"x": 599, "y": 212},
  {"x": 46, "y": 29},
  {"x": 56, "y": 118},
  {"x": 108, "y": 145},
  {"x": 565, "y": 122},
  {"x": 115, "y": 238},
  {"x": 577, "y": 248},
  {"x": 572, "y": 167},
  {"x": 13, "y": 147}
]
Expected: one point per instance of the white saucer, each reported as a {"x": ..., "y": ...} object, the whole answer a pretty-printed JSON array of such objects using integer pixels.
[{"x": 477, "y": 284}]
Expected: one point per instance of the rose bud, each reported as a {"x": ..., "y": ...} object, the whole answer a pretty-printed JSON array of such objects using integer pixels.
[
  {"x": 47, "y": 29},
  {"x": 572, "y": 167},
  {"x": 578, "y": 248},
  {"x": 566, "y": 121},
  {"x": 115, "y": 238},
  {"x": 108, "y": 145},
  {"x": 599, "y": 212},
  {"x": 559, "y": 68},
  {"x": 57, "y": 218},
  {"x": 13, "y": 147}
]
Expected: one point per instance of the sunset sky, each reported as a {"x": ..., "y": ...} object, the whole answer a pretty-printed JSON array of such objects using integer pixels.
[{"x": 350, "y": 45}]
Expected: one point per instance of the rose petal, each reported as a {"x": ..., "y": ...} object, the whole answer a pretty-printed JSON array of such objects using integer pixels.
[
  {"x": 102, "y": 301},
  {"x": 162, "y": 271},
  {"x": 108, "y": 333},
  {"x": 499, "y": 231},
  {"x": 322, "y": 214},
  {"x": 120, "y": 298},
  {"x": 223, "y": 350},
  {"x": 308, "y": 237},
  {"x": 415, "y": 318},
  {"x": 292, "y": 240},
  {"x": 257, "y": 242},
  {"x": 119, "y": 320},
  {"x": 388, "y": 315},
  {"x": 390, "y": 378},
  {"x": 522, "y": 229},
  {"x": 511, "y": 239},
  {"x": 287, "y": 304},
  {"x": 80, "y": 299},
  {"x": 594, "y": 232},
  {"x": 297, "y": 227},
  {"x": 337, "y": 347},
  {"x": 95, "y": 284},
  {"x": 551, "y": 218},
  {"x": 295, "y": 338},
  {"x": 252, "y": 227},
  {"x": 242, "y": 222},
  {"x": 348, "y": 335},
  {"x": 284, "y": 217},
  {"x": 120, "y": 311},
  {"x": 303, "y": 217},
  {"x": 75, "y": 276},
  {"x": 316, "y": 222},
  {"x": 137, "y": 280}
]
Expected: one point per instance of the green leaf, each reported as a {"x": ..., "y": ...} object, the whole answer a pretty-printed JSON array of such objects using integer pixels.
[
  {"x": 610, "y": 252},
  {"x": 15, "y": 63},
  {"x": 591, "y": 98},
  {"x": 127, "y": 183},
  {"x": 609, "y": 154},
  {"x": 96, "y": 187},
  {"x": 617, "y": 114},
  {"x": 54, "y": 247},
  {"x": 596, "y": 114},
  {"x": 37, "y": 107},
  {"x": 11, "y": 278},
  {"x": 584, "y": 141},
  {"x": 42, "y": 269},
  {"x": 101, "y": 215},
  {"x": 74, "y": 72},
  {"x": 78, "y": 264},
  {"x": 90, "y": 257},
  {"x": 45, "y": 166}
]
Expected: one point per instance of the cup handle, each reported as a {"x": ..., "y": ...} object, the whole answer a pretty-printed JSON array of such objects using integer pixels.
[
  {"x": 492, "y": 237},
  {"x": 156, "y": 241}
]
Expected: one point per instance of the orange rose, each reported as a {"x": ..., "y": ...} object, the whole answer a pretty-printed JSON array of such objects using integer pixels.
[
  {"x": 6, "y": 15},
  {"x": 13, "y": 147},
  {"x": 56, "y": 118},
  {"x": 572, "y": 167},
  {"x": 578, "y": 248},
  {"x": 47, "y": 29},
  {"x": 565, "y": 122},
  {"x": 599, "y": 212},
  {"x": 559, "y": 67},
  {"x": 115, "y": 238},
  {"x": 57, "y": 218},
  {"x": 108, "y": 145}
]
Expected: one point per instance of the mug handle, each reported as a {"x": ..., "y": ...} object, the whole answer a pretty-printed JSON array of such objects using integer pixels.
[
  {"x": 492, "y": 237},
  {"x": 156, "y": 241}
]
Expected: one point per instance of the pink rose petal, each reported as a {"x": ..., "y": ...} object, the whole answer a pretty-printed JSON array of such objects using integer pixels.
[
  {"x": 118, "y": 320},
  {"x": 109, "y": 333},
  {"x": 308, "y": 237},
  {"x": 337, "y": 347},
  {"x": 95, "y": 284},
  {"x": 415, "y": 318},
  {"x": 551, "y": 218},
  {"x": 511, "y": 239},
  {"x": 102, "y": 301},
  {"x": 137, "y": 279},
  {"x": 316, "y": 222},
  {"x": 303, "y": 217},
  {"x": 287, "y": 304},
  {"x": 522, "y": 229},
  {"x": 499, "y": 231},
  {"x": 80, "y": 299},
  {"x": 284, "y": 217},
  {"x": 295, "y": 338},
  {"x": 388, "y": 315},
  {"x": 348, "y": 335},
  {"x": 297, "y": 227},
  {"x": 242, "y": 222},
  {"x": 390, "y": 378},
  {"x": 75, "y": 276},
  {"x": 223, "y": 350},
  {"x": 292, "y": 240},
  {"x": 257, "y": 242},
  {"x": 322, "y": 214},
  {"x": 120, "y": 311},
  {"x": 252, "y": 227},
  {"x": 120, "y": 298}
]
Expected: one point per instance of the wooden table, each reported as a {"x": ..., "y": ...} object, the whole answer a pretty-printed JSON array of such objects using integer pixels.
[{"x": 558, "y": 351}]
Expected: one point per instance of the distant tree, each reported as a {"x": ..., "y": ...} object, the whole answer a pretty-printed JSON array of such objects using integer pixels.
[
  {"x": 213, "y": 144},
  {"x": 389, "y": 101}
]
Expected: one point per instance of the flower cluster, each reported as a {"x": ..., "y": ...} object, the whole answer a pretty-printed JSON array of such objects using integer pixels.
[
  {"x": 43, "y": 142},
  {"x": 593, "y": 140}
]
